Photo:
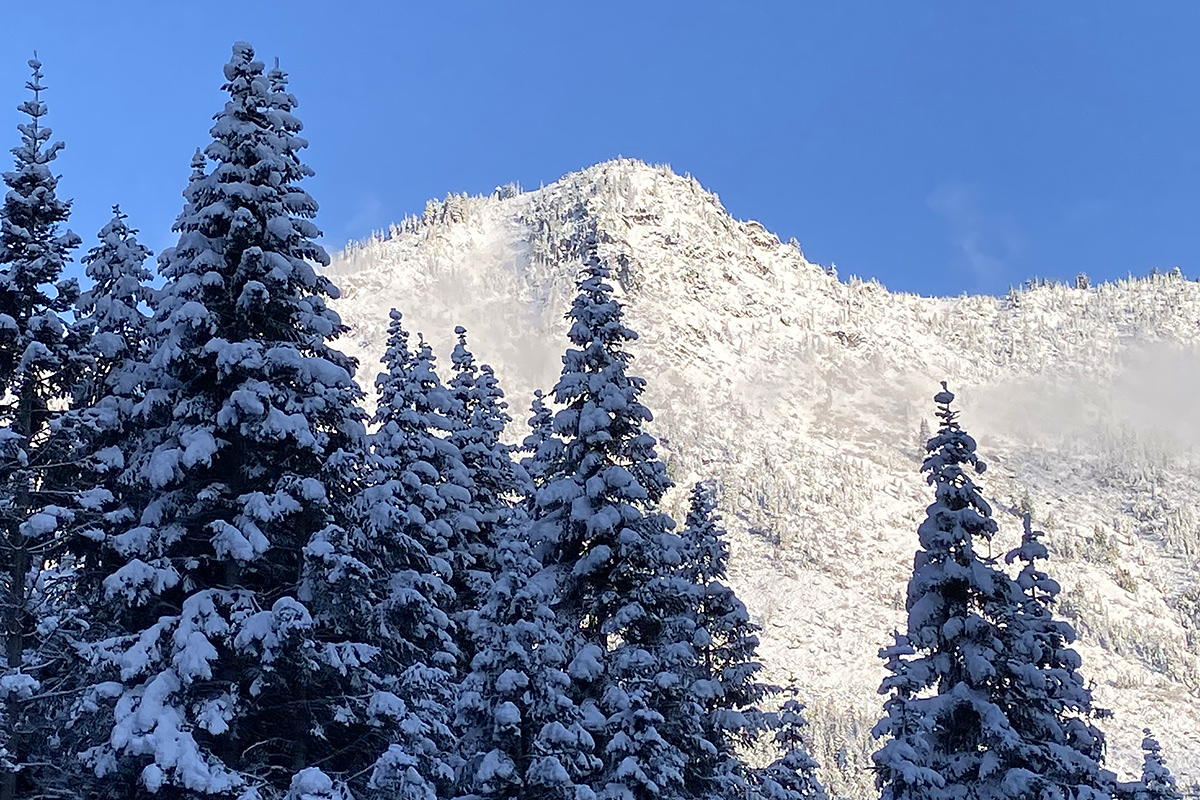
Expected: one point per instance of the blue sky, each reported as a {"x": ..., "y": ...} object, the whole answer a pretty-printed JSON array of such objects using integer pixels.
[{"x": 941, "y": 147}]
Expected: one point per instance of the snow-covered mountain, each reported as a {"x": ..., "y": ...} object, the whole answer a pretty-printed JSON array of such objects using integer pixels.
[{"x": 803, "y": 395}]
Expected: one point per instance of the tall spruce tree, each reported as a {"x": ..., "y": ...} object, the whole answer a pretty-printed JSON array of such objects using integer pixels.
[
  {"x": 113, "y": 324},
  {"x": 724, "y": 676},
  {"x": 229, "y": 674},
  {"x": 114, "y": 312},
  {"x": 984, "y": 698},
  {"x": 614, "y": 553},
  {"x": 1044, "y": 696},
  {"x": 497, "y": 481},
  {"x": 114, "y": 320},
  {"x": 541, "y": 449},
  {"x": 412, "y": 505},
  {"x": 1157, "y": 782},
  {"x": 522, "y": 733},
  {"x": 792, "y": 776},
  {"x": 38, "y": 362},
  {"x": 950, "y": 743}
]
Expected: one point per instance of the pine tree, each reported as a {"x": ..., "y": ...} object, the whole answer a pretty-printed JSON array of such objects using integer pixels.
[
  {"x": 948, "y": 744},
  {"x": 923, "y": 434},
  {"x": 113, "y": 328},
  {"x": 114, "y": 310},
  {"x": 1007, "y": 716},
  {"x": 614, "y": 554},
  {"x": 793, "y": 776},
  {"x": 522, "y": 732},
  {"x": 231, "y": 671},
  {"x": 723, "y": 679},
  {"x": 37, "y": 365},
  {"x": 1157, "y": 782},
  {"x": 115, "y": 324},
  {"x": 597, "y": 509},
  {"x": 543, "y": 450},
  {"x": 418, "y": 414},
  {"x": 413, "y": 504},
  {"x": 1043, "y": 695},
  {"x": 497, "y": 481}
]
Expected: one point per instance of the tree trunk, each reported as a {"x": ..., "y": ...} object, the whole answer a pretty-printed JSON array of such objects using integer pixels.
[{"x": 14, "y": 622}]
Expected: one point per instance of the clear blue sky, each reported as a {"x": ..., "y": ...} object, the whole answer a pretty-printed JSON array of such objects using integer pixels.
[{"x": 941, "y": 147}]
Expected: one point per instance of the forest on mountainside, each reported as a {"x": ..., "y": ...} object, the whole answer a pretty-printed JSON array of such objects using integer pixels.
[{"x": 222, "y": 576}]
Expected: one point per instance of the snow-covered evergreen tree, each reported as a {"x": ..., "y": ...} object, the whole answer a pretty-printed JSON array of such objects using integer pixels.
[
  {"x": 724, "y": 675},
  {"x": 497, "y": 481},
  {"x": 413, "y": 505},
  {"x": 38, "y": 362},
  {"x": 543, "y": 450},
  {"x": 522, "y": 732},
  {"x": 230, "y": 674},
  {"x": 956, "y": 742},
  {"x": 597, "y": 511},
  {"x": 793, "y": 776},
  {"x": 614, "y": 554},
  {"x": 1157, "y": 782},
  {"x": 114, "y": 311},
  {"x": 1042, "y": 693},
  {"x": 114, "y": 321},
  {"x": 416, "y": 415}
]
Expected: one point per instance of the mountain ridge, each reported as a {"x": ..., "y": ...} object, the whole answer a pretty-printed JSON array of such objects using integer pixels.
[{"x": 802, "y": 395}]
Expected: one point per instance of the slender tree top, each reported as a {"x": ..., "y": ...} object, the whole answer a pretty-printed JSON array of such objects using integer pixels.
[{"x": 32, "y": 251}]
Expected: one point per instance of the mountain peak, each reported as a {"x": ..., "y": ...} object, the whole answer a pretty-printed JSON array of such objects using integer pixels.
[{"x": 801, "y": 396}]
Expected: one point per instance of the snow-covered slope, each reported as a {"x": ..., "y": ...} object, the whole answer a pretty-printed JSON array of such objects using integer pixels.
[{"x": 803, "y": 395}]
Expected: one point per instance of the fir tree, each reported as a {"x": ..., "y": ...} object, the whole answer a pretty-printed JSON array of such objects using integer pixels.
[
  {"x": 1007, "y": 713},
  {"x": 230, "y": 670},
  {"x": 114, "y": 310},
  {"x": 543, "y": 450},
  {"x": 416, "y": 415},
  {"x": 793, "y": 776},
  {"x": 613, "y": 552},
  {"x": 37, "y": 367},
  {"x": 522, "y": 732},
  {"x": 115, "y": 324},
  {"x": 413, "y": 505},
  {"x": 948, "y": 744},
  {"x": 1043, "y": 695},
  {"x": 497, "y": 481},
  {"x": 1157, "y": 782},
  {"x": 724, "y": 677},
  {"x": 598, "y": 509}
]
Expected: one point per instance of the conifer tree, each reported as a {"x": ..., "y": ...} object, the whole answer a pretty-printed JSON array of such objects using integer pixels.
[
  {"x": 229, "y": 674},
  {"x": 1006, "y": 716},
  {"x": 419, "y": 413},
  {"x": 793, "y": 776},
  {"x": 1044, "y": 696},
  {"x": 724, "y": 676},
  {"x": 114, "y": 311},
  {"x": 948, "y": 743},
  {"x": 411, "y": 506},
  {"x": 1157, "y": 782},
  {"x": 542, "y": 449},
  {"x": 37, "y": 365},
  {"x": 114, "y": 326},
  {"x": 614, "y": 554},
  {"x": 114, "y": 321},
  {"x": 522, "y": 732},
  {"x": 497, "y": 481},
  {"x": 598, "y": 510}
]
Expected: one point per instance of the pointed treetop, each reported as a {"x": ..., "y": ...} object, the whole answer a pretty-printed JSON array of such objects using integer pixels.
[{"x": 34, "y": 84}]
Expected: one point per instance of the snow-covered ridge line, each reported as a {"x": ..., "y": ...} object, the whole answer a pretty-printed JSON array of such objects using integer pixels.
[{"x": 802, "y": 395}]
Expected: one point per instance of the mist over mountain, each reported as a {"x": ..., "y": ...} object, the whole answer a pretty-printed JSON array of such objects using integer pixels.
[{"x": 802, "y": 393}]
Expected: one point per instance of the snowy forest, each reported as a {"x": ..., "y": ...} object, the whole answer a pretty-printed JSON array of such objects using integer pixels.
[{"x": 223, "y": 577}]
